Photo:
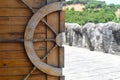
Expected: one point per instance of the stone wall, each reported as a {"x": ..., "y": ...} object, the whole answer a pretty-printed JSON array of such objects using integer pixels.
[{"x": 101, "y": 37}]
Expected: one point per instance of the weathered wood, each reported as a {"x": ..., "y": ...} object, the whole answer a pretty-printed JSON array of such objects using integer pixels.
[
  {"x": 61, "y": 49},
  {"x": 32, "y": 77},
  {"x": 17, "y": 71},
  {"x": 11, "y": 3},
  {"x": 19, "y": 54},
  {"x": 37, "y": 77},
  {"x": 11, "y": 29},
  {"x": 15, "y": 63},
  {"x": 13, "y": 21},
  {"x": 14, "y": 12},
  {"x": 29, "y": 35},
  {"x": 14, "y": 16},
  {"x": 62, "y": 21},
  {"x": 53, "y": 20},
  {"x": 19, "y": 46},
  {"x": 61, "y": 57},
  {"x": 11, "y": 77},
  {"x": 62, "y": 78},
  {"x": 13, "y": 55},
  {"x": 12, "y": 36},
  {"x": 19, "y": 4}
]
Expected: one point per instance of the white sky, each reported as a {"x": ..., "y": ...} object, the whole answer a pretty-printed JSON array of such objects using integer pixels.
[{"x": 108, "y": 1}]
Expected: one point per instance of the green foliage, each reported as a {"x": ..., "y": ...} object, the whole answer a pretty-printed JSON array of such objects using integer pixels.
[
  {"x": 77, "y": 2},
  {"x": 95, "y": 4},
  {"x": 96, "y": 16},
  {"x": 72, "y": 9},
  {"x": 94, "y": 11}
]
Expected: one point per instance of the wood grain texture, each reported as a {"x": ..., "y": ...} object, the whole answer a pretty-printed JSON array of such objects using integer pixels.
[
  {"x": 48, "y": 69},
  {"x": 62, "y": 29},
  {"x": 17, "y": 35},
  {"x": 14, "y": 62},
  {"x": 14, "y": 12},
  {"x": 19, "y": 3},
  {"x": 32, "y": 77},
  {"x": 19, "y": 46},
  {"x": 17, "y": 71},
  {"x": 53, "y": 20},
  {"x": 19, "y": 54},
  {"x": 11, "y": 4},
  {"x": 41, "y": 28},
  {"x": 7, "y": 20}
]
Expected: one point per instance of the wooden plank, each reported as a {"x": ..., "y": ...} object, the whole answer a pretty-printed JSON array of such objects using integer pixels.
[
  {"x": 62, "y": 21},
  {"x": 19, "y": 46},
  {"x": 11, "y": 77},
  {"x": 15, "y": 12},
  {"x": 36, "y": 3},
  {"x": 52, "y": 78},
  {"x": 11, "y": 3},
  {"x": 13, "y": 55},
  {"x": 17, "y": 71},
  {"x": 32, "y": 77},
  {"x": 41, "y": 28},
  {"x": 37, "y": 77},
  {"x": 55, "y": 23},
  {"x": 15, "y": 62},
  {"x": 61, "y": 57},
  {"x": 20, "y": 29},
  {"x": 18, "y": 35},
  {"x": 62, "y": 78},
  {"x": 19, "y": 3},
  {"x": 11, "y": 47},
  {"x": 11, "y": 36},
  {"x": 7, "y": 20},
  {"x": 11, "y": 29},
  {"x": 40, "y": 35},
  {"x": 61, "y": 49},
  {"x": 19, "y": 54},
  {"x": 52, "y": 59}
]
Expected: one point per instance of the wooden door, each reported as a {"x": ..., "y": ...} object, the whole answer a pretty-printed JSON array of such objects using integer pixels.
[{"x": 30, "y": 40}]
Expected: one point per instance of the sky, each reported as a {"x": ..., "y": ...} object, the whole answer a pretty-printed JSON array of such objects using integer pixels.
[{"x": 108, "y": 1}]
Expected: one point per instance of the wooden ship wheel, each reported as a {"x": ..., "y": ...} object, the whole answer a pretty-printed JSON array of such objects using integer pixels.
[
  {"x": 28, "y": 39},
  {"x": 31, "y": 40}
]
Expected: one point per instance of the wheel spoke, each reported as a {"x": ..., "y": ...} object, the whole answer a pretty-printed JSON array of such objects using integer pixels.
[
  {"x": 29, "y": 37},
  {"x": 33, "y": 11},
  {"x": 34, "y": 68},
  {"x": 49, "y": 52},
  {"x": 49, "y": 26}
]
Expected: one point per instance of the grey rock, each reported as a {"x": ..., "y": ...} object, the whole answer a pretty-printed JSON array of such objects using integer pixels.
[
  {"x": 103, "y": 37},
  {"x": 88, "y": 35},
  {"x": 115, "y": 43},
  {"x": 73, "y": 34}
]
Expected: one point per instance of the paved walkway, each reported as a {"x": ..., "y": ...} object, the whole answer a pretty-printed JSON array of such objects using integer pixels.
[{"x": 82, "y": 64}]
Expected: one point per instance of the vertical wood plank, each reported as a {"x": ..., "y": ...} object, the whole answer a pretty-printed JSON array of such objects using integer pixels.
[
  {"x": 61, "y": 49},
  {"x": 62, "y": 78},
  {"x": 41, "y": 28},
  {"x": 53, "y": 58}
]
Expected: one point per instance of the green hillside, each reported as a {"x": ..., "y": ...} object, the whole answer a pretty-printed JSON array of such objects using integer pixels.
[{"x": 94, "y": 11}]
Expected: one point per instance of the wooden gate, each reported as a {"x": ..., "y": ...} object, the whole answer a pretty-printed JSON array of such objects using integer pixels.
[{"x": 30, "y": 40}]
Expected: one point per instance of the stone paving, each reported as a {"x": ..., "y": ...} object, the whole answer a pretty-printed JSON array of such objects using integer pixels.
[{"x": 82, "y": 64}]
